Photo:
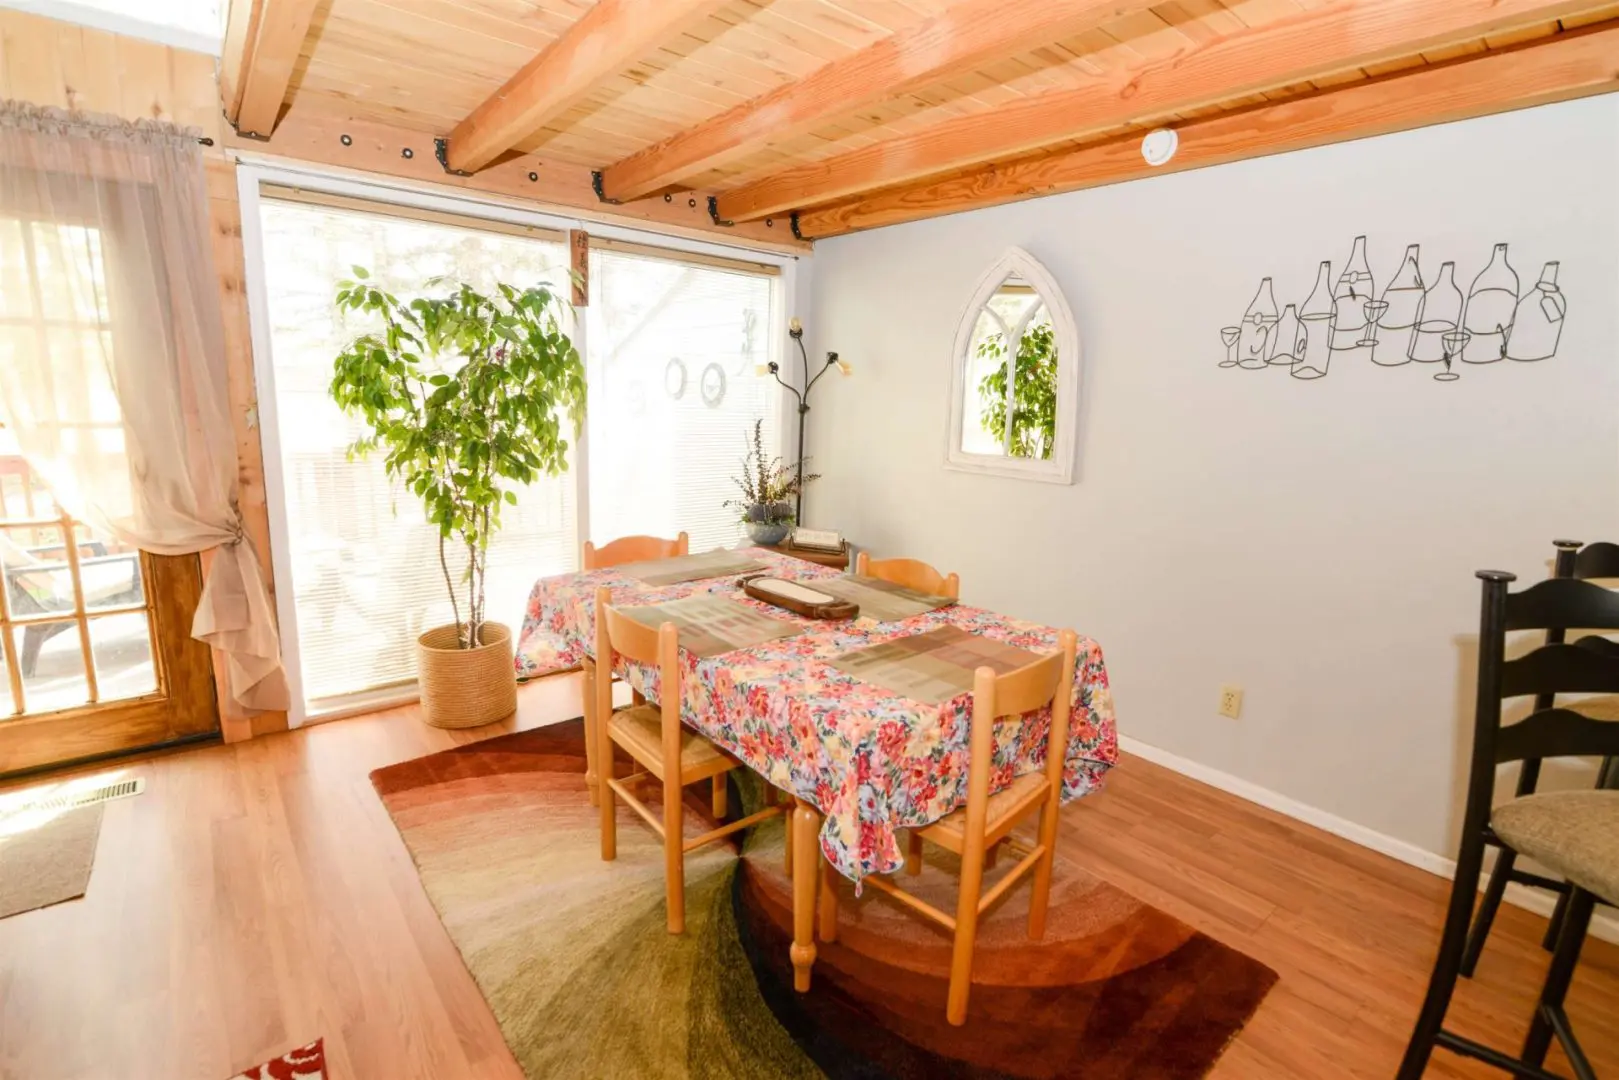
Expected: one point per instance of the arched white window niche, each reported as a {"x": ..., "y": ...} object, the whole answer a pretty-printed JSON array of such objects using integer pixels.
[{"x": 1014, "y": 394}]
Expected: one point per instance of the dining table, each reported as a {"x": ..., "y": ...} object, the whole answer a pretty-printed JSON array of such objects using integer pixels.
[{"x": 861, "y": 761}]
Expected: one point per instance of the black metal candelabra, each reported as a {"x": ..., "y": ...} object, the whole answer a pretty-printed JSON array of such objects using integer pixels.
[{"x": 796, "y": 332}]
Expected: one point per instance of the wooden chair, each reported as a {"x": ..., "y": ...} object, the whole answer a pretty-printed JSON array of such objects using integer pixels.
[
  {"x": 911, "y": 573},
  {"x": 664, "y": 749},
  {"x": 988, "y": 819},
  {"x": 1587, "y": 563},
  {"x": 626, "y": 549},
  {"x": 1573, "y": 833}
]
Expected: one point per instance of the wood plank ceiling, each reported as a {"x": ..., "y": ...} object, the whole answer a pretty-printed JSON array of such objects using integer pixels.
[{"x": 857, "y": 113}]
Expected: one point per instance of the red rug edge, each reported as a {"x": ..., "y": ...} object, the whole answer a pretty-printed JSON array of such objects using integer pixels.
[{"x": 295, "y": 1064}]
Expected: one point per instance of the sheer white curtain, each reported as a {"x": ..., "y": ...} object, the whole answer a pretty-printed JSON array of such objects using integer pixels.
[{"x": 114, "y": 382}]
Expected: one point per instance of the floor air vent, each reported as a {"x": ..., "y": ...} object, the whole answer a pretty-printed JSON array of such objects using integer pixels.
[{"x": 121, "y": 789}]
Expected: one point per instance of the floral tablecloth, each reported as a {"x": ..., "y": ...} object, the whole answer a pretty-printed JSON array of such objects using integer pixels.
[{"x": 872, "y": 761}]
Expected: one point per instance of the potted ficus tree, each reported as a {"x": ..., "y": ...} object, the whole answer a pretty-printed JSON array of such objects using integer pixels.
[{"x": 466, "y": 396}]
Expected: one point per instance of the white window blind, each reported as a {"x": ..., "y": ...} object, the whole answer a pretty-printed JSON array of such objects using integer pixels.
[
  {"x": 365, "y": 567},
  {"x": 673, "y": 347}
]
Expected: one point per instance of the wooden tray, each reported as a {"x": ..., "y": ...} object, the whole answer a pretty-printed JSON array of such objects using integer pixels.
[{"x": 798, "y": 597}]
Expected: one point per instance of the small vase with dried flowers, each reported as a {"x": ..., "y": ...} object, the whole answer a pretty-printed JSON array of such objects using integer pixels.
[{"x": 768, "y": 487}]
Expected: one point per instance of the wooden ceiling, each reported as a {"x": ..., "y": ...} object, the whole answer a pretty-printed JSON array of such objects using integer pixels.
[{"x": 857, "y": 113}]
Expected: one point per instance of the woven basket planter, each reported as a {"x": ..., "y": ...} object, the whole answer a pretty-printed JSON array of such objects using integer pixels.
[{"x": 464, "y": 688}]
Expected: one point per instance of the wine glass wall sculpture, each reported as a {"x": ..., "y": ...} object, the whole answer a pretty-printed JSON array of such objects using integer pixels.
[{"x": 1413, "y": 319}]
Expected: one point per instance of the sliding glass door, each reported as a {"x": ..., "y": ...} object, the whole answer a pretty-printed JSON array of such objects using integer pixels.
[
  {"x": 363, "y": 560},
  {"x": 671, "y": 340}
]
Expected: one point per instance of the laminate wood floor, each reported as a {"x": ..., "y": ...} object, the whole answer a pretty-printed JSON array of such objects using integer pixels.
[{"x": 257, "y": 896}]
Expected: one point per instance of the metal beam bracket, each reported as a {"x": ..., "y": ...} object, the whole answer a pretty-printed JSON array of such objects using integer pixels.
[
  {"x": 796, "y": 234},
  {"x": 255, "y": 136},
  {"x": 441, "y": 150},
  {"x": 596, "y": 186},
  {"x": 714, "y": 213}
]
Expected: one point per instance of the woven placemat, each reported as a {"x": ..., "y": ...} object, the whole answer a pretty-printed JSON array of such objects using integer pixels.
[
  {"x": 707, "y": 564},
  {"x": 933, "y": 667},
  {"x": 710, "y": 625},
  {"x": 881, "y": 600}
]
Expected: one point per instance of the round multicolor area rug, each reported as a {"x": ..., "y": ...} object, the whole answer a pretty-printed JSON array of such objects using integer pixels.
[{"x": 572, "y": 955}]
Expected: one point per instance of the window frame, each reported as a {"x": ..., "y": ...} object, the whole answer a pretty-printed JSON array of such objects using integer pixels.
[
  {"x": 1059, "y": 468},
  {"x": 413, "y": 200}
]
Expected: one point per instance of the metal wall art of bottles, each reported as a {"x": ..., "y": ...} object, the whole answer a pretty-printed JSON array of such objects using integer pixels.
[{"x": 1416, "y": 318}]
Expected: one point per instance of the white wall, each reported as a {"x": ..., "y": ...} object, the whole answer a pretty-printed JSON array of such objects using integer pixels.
[{"x": 1313, "y": 541}]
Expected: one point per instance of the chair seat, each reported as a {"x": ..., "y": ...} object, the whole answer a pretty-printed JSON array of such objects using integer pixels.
[
  {"x": 1574, "y": 833},
  {"x": 640, "y": 731},
  {"x": 1006, "y": 808}
]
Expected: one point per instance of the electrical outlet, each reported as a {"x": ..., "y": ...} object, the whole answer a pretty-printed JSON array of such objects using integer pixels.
[{"x": 1231, "y": 701}]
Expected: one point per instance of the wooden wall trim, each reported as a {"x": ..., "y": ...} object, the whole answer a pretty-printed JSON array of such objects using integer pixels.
[
  {"x": 957, "y": 40},
  {"x": 1573, "y": 65},
  {"x": 1343, "y": 35},
  {"x": 381, "y": 149}
]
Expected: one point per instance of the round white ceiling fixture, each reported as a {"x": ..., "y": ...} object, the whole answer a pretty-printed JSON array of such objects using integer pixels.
[{"x": 1159, "y": 146}]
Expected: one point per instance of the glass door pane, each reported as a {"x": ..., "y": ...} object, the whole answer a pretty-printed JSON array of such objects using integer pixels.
[{"x": 674, "y": 394}]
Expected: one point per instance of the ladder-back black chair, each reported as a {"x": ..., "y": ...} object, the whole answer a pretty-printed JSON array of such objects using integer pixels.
[
  {"x": 1591, "y": 561},
  {"x": 1573, "y": 833}
]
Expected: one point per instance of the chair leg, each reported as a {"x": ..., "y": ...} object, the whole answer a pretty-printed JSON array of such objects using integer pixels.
[
  {"x": 961, "y": 953},
  {"x": 913, "y": 853},
  {"x": 33, "y": 638},
  {"x": 588, "y": 666},
  {"x": 1554, "y": 927},
  {"x": 1576, "y": 922},
  {"x": 674, "y": 858},
  {"x": 608, "y": 803},
  {"x": 1040, "y": 899},
  {"x": 829, "y": 901},
  {"x": 1447, "y": 964},
  {"x": 1485, "y": 918},
  {"x": 721, "y": 793},
  {"x": 792, "y": 818}
]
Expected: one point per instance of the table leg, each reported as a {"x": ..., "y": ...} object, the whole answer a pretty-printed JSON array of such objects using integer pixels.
[
  {"x": 588, "y": 666},
  {"x": 806, "y": 853}
]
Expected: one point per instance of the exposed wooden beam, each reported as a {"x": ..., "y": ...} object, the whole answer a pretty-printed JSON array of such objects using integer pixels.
[
  {"x": 957, "y": 40},
  {"x": 262, "y": 47},
  {"x": 374, "y": 148},
  {"x": 608, "y": 38},
  {"x": 1568, "y": 66},
  {"x": 1341, "y": 35},
  {"x": 241, "y": 26}
]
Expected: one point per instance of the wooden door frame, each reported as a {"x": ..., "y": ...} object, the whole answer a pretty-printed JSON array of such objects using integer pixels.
[{"x": 182, "y": 709}]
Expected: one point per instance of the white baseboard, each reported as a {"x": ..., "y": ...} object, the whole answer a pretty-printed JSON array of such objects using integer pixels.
[{"x": 1604, "y": 925}]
